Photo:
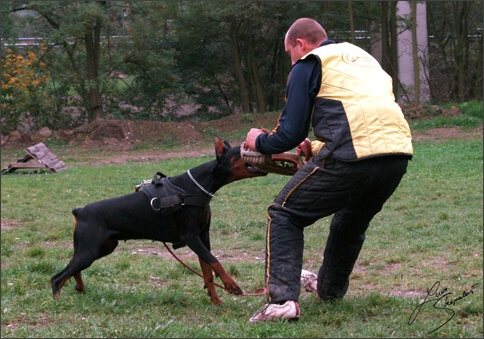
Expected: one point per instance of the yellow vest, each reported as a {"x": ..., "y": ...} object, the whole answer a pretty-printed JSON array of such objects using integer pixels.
[{"x": 355, "y": 114}]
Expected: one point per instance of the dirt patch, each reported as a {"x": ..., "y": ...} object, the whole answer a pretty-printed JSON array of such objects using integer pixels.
[
  {"x": 444, "y": 134},
  {"x": 9, "y": 224},
  {"x": 105, "y": 142},
  {"x": 117, "y": 142},
  {"x": 102, "y": 133},
  {"x": 187, "y": 255}
]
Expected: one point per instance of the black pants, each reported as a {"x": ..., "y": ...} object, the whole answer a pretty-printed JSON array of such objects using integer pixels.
[{"x": 354, "y": 193}]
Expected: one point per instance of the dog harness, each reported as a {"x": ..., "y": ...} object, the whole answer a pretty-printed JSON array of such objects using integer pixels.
[{"x": 166, "y": 198}]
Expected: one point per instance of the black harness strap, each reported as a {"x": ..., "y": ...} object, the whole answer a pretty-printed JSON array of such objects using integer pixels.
[{"x": 166, "y": 198}]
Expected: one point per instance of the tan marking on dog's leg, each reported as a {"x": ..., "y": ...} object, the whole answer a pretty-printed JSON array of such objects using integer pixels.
[
  {"x": 79, "y": 283},
  {"x": 228, "y": 281},
  {"x": 57, "y": 295},
  {"x": 208, "y": 281}
]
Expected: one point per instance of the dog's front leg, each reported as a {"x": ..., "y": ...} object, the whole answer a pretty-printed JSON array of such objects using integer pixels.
[
  {"x": 229, "y": 283},
  {"x": 209, "y": 282},
  {"x": 197, "y": 237},
  {"x": 208, "y": 260}
]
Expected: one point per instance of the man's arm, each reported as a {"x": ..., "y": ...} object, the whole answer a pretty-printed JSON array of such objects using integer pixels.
[{"x": 293, "y": 124}]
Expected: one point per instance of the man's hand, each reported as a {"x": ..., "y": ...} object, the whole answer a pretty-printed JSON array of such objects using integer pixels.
[
  {"x": 252, "y": 136},
  {"x": 304, "y": 149}
]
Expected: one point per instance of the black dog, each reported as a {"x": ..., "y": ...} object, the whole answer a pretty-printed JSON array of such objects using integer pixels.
[{"x": 186, "y": 221}]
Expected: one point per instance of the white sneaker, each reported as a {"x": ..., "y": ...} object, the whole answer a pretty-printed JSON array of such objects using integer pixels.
[
  {"x": 270, "y": 312},
  {"x": 309, "y": 281}
]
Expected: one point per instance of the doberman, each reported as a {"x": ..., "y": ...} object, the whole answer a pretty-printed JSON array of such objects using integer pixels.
[{"x": 100, "y": 225}]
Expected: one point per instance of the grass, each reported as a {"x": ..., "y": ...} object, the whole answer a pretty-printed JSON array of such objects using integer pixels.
[
  {"x": 429, "y": 231},
  {"x": 471, "y": 117}
]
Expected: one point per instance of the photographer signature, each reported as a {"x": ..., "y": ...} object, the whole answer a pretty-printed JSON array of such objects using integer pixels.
[{"x": 440, "y": 299}]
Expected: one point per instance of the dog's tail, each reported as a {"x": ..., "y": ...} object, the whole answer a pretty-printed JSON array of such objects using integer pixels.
[{"x": 76, "y": 211}]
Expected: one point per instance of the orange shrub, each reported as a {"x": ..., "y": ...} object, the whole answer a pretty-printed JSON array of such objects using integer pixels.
[{"x": 23, "y": 84}]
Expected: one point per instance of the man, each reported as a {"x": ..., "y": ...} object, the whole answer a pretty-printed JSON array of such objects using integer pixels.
[{"x": 361, "y": 153}]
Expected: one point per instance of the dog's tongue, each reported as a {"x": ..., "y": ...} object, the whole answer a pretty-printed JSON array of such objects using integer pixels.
[{"x": 254, "y": 169}]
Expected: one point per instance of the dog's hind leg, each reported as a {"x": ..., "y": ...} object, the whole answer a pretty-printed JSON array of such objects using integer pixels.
[
  {"x": 78, "y": 263},
  {"x": 58, "y": 280},
  {"x": 79, "y": 283},
  {"x": 87, "y": 249},
  {"x": 107, "y": 248}
]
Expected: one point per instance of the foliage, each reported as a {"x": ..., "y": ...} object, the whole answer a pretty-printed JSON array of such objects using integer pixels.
[
  {"x": 468, "y": 115},
  {"x": 23, "y": 96},
  {"x": 456, "y": 49},
  {"x": 473, "y": 108},
  {"x": 213, "y": 58},
  {"x": 154, "y": 83}
]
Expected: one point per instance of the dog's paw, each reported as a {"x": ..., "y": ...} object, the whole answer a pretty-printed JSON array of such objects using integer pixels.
[
  {"x": 216, "y": 300},
  {"x": 236, "y": 290}
]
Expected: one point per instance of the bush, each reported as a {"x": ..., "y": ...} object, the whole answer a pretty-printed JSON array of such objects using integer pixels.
[{"x": 23, "y": 89}]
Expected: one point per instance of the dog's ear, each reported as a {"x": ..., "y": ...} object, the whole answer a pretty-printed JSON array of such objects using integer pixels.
[{"x": 220, "y": 147}]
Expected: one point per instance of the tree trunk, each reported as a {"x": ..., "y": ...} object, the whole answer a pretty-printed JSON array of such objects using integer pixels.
[
  {"x": 254, "y": 77},
  {"x": 462, "y": 47},
  {"x": 385, "y": 44},
  {"x": 239, "y": 74},
  {"x": 388, "y": 22},
  {"x": 416, "y": 67},
  {"x": 352, "y": 24},
  {"x": 386, "y": 59},
  {"x": 92, "y": 38},
  {"x": 393, "y": 45},
  {"x": 478, "y": 83}
]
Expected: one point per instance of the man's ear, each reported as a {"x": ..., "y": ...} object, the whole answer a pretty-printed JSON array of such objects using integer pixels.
[{"x": 301, "y": 43}]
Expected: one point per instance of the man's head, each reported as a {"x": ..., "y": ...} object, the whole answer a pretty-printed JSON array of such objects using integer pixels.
[{"x": 303, "y": 36}]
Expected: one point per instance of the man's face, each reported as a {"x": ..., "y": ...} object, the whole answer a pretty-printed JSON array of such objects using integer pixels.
[{"x": 296, "y": 52}]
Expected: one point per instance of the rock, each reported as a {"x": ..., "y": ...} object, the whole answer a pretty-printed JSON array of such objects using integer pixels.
[
  {"x": 45, "y": 132},
  {"x": 4, "y": 139},
  {"x": 14, "y": 136}
]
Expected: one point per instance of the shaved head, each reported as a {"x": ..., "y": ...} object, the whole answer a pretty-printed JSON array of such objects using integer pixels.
[{"x": 308, "y": 29}]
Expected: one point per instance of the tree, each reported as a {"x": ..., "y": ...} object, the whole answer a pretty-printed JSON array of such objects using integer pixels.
[
  {"x": 221, "y": 57},
  {"x": 461, "y": 18},
  {"x": 77, "y": 28},
  {"x": 388, "y": 21},
  {"x": 237, "y": 66},
  {"x": 93, "y": 22},
  {"x": 455, "y": 50},
  {"x": 416, "y": 65},
  {"x": 153, "y": 85},
  {"x": 352, "y": 24},
  {"x": 237, "y": 49}
]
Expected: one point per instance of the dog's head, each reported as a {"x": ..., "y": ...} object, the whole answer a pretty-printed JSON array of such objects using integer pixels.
[{"x": 231, "y": 165}]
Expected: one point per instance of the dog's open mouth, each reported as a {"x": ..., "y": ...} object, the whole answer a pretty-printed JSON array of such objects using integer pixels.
[{"x": 253, "y": 169}]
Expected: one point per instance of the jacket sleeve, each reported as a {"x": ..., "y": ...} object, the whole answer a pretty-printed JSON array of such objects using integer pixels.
[{"x": 293, "y": 124}]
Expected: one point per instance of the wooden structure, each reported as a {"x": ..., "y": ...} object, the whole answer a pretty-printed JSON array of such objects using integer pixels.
[{"x": 45, "y": 159}]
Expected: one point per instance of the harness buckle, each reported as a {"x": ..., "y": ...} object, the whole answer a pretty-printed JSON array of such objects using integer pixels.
[{"x": 152, "y": 206}]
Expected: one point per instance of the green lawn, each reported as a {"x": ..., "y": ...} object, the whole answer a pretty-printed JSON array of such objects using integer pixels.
[{"x": 419, "y": 273}]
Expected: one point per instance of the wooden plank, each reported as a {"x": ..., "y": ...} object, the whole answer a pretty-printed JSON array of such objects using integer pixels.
[
  {"x": 45, "y": 159},
  {"x": 18, "y": 165},
  {"x": 45, "y": 156},
  {"x": 58, "y": 167}
]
